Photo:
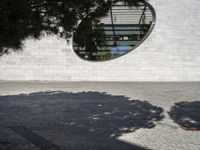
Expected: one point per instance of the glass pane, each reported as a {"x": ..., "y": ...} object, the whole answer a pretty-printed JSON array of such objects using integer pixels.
[{"x": 119, "y": 31}]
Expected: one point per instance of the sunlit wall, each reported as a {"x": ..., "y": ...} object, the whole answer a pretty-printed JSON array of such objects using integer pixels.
[{"x": 170, "y": 53}]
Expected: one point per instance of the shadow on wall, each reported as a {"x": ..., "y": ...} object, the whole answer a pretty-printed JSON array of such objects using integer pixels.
[
  {"x": 85, "y": 120},
  {"x": 187, "y": 115}
]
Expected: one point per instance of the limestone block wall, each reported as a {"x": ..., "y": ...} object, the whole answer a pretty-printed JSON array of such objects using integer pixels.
[{"x": 170, "y": 53}]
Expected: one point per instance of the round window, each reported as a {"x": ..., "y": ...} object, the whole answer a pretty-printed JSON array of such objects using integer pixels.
[{"x": 110, "y": 32}]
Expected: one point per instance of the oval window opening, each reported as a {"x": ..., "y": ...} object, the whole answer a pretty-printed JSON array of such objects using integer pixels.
[{"x": 109, "y": 33}]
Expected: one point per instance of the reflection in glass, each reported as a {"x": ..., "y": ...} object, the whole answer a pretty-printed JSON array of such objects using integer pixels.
[{"x": 114, "y": 33}]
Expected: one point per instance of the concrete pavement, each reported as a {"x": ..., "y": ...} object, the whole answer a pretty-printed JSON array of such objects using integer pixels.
[{"x": 99, "y": 116}]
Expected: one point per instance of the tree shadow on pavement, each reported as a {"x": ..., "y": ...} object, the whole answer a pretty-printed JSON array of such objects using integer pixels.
[
  {"x": 187, "y": 115},
  {"x": 78, "y": 121}
]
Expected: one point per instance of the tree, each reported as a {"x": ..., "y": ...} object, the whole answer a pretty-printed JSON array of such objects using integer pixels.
[{"x": 21, "y": 19}]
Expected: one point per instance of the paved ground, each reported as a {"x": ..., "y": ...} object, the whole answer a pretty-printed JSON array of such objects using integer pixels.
[{"x": 99, "y": 116}]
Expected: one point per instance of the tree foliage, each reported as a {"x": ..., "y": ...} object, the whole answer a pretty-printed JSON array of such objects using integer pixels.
[{"x": 20, "y": 19}]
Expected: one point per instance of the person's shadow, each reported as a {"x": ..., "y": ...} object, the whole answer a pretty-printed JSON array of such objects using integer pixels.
[
  {"x": 186, "y": 114},
  {"x": 78, "y": 121}
]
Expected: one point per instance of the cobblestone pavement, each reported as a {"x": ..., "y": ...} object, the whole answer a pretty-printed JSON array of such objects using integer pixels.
[{"x": 99, "y": 116}]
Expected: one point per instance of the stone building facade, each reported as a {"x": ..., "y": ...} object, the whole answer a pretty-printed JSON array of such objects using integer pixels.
[{"x": 170, "y": 53}]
